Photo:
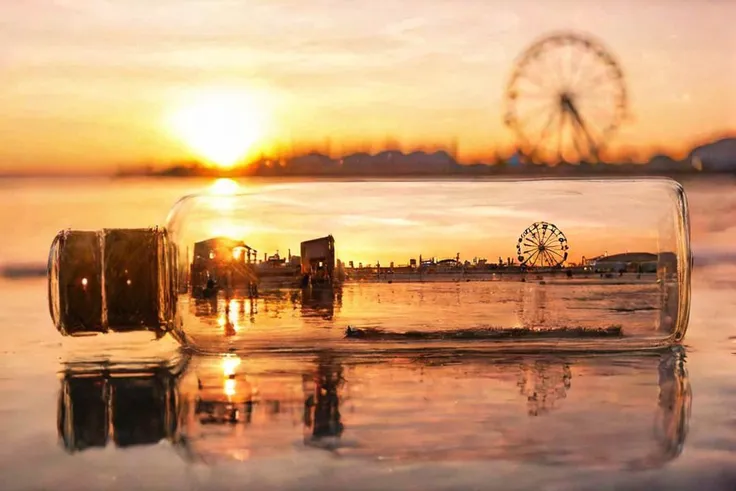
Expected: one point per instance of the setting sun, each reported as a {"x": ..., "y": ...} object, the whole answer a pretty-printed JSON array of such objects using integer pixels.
[{"x": 220, "y": 127}]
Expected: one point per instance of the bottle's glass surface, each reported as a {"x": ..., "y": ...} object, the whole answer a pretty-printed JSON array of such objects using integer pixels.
[{"x": 371, "y": 265}]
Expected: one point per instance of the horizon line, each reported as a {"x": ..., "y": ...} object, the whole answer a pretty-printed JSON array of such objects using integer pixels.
[{"x": 624, "y": 155}]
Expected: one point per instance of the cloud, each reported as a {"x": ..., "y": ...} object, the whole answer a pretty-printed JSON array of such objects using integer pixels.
[{"x": 363, "y": 220}]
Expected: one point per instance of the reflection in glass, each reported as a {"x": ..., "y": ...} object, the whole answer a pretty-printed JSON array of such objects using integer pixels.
[
  {"x": 613, "y": 411},
  {"x": 321, "y": 302},
  {"x": 226, "y": 314}
]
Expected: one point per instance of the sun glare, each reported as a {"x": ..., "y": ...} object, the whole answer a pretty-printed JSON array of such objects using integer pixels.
[
  {"x": 220, "y": 127},
  {"x": 224, "y": 187}
]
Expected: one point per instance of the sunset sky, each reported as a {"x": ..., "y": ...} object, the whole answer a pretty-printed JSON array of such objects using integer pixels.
[
  {"x": 90, "y": 85},
  {"x": 397, "y": 221}
]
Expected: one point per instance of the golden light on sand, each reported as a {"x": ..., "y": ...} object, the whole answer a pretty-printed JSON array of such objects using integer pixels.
[
  {"x": 230, "y": 387},
  {"x": 222, "y": 127},
  {"x": 229, "y": 365}
]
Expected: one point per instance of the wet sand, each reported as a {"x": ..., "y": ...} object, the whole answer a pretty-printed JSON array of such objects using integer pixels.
[{"x": 368, "y": 421}]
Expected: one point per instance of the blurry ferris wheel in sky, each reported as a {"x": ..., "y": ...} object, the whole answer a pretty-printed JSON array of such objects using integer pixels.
[{"x": 565, "y": 98}]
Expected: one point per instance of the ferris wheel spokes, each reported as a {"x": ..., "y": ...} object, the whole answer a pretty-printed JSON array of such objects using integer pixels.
[
  {"x": 581, "y": 85},
  {"x": 542, "y": 245}
]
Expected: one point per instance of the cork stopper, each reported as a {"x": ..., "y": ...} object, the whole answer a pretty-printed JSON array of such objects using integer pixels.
[{"x": 109, "y": 280}]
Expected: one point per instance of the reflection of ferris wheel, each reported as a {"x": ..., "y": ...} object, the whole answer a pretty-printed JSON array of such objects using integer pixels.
[
  {"x": 544, "y": 384},
  {"x": 542, "y": 245},
  {"x": 566, "y": 96}
]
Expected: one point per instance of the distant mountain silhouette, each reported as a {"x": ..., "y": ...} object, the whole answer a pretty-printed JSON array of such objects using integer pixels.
[
  {"x": 715, "y": 157},
  {"x": 719, "y": 156}
]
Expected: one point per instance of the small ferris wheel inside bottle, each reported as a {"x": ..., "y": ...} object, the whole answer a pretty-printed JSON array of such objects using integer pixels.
[{"x": 542, "y": 244}]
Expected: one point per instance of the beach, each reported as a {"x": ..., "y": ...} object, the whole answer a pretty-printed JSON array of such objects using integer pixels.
[{"x": 415, "y": 419}]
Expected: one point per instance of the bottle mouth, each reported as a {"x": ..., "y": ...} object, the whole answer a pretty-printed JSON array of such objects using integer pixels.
[{"x": 113, "y": 280}]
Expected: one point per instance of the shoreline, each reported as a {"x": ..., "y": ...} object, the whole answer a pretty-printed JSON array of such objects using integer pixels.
[{"x": 459, "y": 277}]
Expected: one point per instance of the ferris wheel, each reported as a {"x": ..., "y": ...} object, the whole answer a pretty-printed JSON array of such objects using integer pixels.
[
  {"x": 565, "y": 98},
  {"x": 543, "y": 245}
]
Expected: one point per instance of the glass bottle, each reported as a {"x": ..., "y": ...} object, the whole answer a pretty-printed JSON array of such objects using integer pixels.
[{"x": 365, "y": 266}]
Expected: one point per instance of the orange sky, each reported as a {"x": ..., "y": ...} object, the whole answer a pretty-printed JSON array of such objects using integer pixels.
[
  {"x": 89, "y": 84},
  {"x": 370, "y": 227}
]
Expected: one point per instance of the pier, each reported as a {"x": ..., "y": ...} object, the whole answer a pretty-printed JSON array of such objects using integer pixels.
[{"x": 222, "y": 263}]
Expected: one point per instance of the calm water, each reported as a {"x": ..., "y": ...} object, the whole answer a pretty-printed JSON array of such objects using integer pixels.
[
  {"x": 326, "y": 421},
  {"x": 479, "y": 309}
]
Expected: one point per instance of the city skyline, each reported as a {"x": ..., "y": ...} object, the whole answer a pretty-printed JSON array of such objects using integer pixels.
[{"x": 92, "y": 86}]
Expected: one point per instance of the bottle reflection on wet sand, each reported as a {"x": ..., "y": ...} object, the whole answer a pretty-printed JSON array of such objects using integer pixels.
[
  {"x": 576, "y": 410},
  {"x": 125, "y": 406},
  {"x": 674, "y": 405},
  {"x": 544, "y": 384},
  {"x": 322, "y": 421}
]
